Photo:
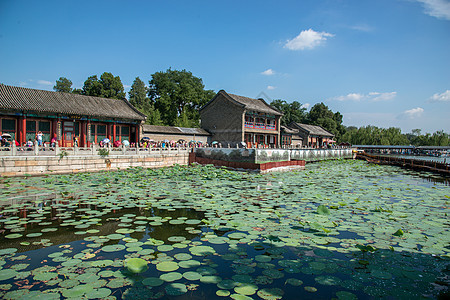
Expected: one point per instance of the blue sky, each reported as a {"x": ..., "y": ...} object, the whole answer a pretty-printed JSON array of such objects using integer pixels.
[{"x": 384, "y": 63}]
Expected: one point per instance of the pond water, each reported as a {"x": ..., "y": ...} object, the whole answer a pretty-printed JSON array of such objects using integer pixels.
[{"x": 339, "y": 229}]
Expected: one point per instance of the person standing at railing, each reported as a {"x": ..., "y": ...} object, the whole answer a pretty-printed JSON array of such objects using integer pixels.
[
  {"x": 39, "y": 138},
  {"x": 54, "y": 141}
]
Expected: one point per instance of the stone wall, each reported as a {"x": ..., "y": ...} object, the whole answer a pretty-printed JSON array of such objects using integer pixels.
[
  {"x": 260, "y": 156},
  {"x": 41, "y": 165},
  {"x": 224, "y": 121}
]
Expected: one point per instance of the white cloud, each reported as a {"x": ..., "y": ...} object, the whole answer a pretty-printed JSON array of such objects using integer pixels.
[
  {"x": 351, "y": 97},
  {"x": 372, "y": 96},
  {"x": 306, "y": 105},
  {"x": 307, "y": 39},
  {"x": 362, "y": 27},
  {"x": 437, "y": 8},
  {"x": 270, "y": 87},
  {"x": 268, "y": 72},
  {"x": 444, "y": 97},
  {"x": 33, "y": 82},
  {"x": 413, "y": 113},
  {"x": 43, "y": 82},
  {"x": 375, "y": 96}
]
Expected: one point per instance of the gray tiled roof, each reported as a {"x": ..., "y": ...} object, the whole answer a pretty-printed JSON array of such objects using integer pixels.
[
  {"x": 312, "y": 129},
  {"x": 255, "y": 104},
  {"x": 40, "y": 101},
  {"x": 174, "y": 130},
  {"x": 289, "y": 130},
  {"x": 248, "y": 103}
]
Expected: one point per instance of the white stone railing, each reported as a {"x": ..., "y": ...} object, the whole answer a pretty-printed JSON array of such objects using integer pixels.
[{"x": 36, "y": 150}]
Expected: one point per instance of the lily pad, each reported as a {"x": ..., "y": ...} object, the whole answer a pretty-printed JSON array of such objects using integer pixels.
[
  {"x": 136, "y": 265},
  {"x": 167, "y": 266},
  {"x": 171, "y": 276},
  {"x": 176, "y": 289}
]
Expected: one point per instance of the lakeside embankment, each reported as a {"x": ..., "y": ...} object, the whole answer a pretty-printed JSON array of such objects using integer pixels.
[{"x": 41, "y": 161}]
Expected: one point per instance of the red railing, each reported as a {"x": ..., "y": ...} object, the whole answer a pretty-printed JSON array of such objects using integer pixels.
[{"x": 259, "y": 126}]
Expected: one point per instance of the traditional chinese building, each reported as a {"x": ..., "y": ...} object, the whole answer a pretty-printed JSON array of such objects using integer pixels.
[
  {"x": 232, "y": 119},
  {"x": 290, "y": 137},
  {"x": 173, "y": 133},
  {"x": 24, "y": 112},
  {"x": 313, "y": 136}
]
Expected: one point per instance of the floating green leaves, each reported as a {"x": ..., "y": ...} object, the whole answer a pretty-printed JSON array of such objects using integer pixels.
[
  {"x": 398, "y": 232},
  {"x": 136, "y": 265},
  {"x": 264, "y": 234},
  {"x": 167, "y": 266},
  {"x": 323, "y": 210}
]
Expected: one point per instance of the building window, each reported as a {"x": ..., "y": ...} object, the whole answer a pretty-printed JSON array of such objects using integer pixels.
[
  {"x": 98, "y": 133},
  {"x": 8, "y": 126},
  {"x": 34, "y": 126},
  {"x": 122, "y": 133}
]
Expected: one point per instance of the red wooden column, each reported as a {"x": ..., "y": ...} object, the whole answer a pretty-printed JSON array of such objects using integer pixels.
[
  {"x": 113, "y": 132},
  {"x": 138, "y": 132},
  {"x": 108, "y": 132},
  {"x": 88, "y": 133},
  {"x": 54, "y": 129},
  {"x": 22, "y": 130},
  {"x": 83, "y": 134}
]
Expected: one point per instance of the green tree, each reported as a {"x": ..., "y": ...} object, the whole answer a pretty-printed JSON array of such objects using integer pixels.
[
  {"x": 292, "y": 112},
  {"x": 372, "y": 135},
  {"x": 178, "y": 95},
  {"x": 112, "y": 86},
  {"x": 322, "y": 116},
  {"x": 108, "y": 86},
  {"x": 139, "y": 99},
  {"x": 63, "y": 85},
  {"x": 92, "y": 87},
  {"x": 138, "y": 93}
]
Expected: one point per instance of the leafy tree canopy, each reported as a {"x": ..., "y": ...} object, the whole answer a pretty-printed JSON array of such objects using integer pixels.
[
  {"x": 322, "y": 116},
  {"x": 139, "y": 99},
  {"x": 178, "y": 95},
  {"x": 63, "y": 85},
  {"x": 108, "y": 86},
  {"x": 293, "y": 112}
]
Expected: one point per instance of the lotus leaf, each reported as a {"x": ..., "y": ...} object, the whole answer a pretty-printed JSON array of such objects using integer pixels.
[
  {"x": 189, "y": 264},
  {"x": 271, "y": 294},
  {"x": 171, "y": 276},
  {"x": 152, "y": 281},
  {"x": 202, "y": 250},
  {"x": 210, "y": 279},
  {"x": 113, "y": 248},
  {"x": 176, "y": 289},
  {"x": 222, "y": 293},
  {"x": 100, "y": 293},
  {"x": 192, "y": 275},
  {"x": 167, "y": 266},
  {"x": 7, "y": 274}
]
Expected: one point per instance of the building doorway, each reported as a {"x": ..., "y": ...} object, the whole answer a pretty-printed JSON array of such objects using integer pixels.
[{"x": 68, "y": 133}]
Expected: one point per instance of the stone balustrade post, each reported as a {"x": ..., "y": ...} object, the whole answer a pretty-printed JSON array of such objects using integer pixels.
[
  {"x": 13, "y": 148},
  {"x": 36, "y": 148}
]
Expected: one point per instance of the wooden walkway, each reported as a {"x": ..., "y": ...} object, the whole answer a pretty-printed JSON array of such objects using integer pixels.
[{"x": 415, "y": 164}]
